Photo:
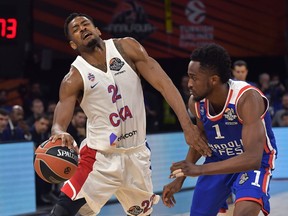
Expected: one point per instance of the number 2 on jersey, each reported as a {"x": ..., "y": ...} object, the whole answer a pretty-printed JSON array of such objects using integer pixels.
[{"x": 115, "y": 94}]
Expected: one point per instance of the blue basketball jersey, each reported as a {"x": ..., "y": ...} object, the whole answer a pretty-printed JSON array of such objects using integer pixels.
[{"x": 224, "y": 130}]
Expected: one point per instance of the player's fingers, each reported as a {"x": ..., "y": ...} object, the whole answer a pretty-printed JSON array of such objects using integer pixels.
[
  {"x": 203, "y": 145},
  {"x": 167, "y": 201},
  {"x": 64, "y": 140},
  {"x": 75, "y": 147},
  {"x": 207, "y": 151},
  {"x": 173, "y": 200},
  {"x": 55, "y": 137},
  {"x": 177, "y": 173},
  {"x": 164, "y": 194},
  {"x": 176, "y": 165},
  {"x": 203, "y": 149},
  {"x": 198, "y": 149}
]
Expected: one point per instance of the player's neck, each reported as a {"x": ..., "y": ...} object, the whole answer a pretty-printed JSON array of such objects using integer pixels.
[{"x": 218, "y": 97}]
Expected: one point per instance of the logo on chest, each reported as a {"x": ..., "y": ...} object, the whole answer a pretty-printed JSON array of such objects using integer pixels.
[
  {"x": 115, "y": 64},
  {"x": 230, "y": 115}
]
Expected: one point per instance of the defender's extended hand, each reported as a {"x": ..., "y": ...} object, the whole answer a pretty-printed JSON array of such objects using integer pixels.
[
  {"x": 169, "y": 190},
  {"x": 184, "y": 168},
  {"x": 198, "y": 141}
]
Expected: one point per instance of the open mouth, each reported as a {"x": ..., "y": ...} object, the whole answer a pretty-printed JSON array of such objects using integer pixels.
[{"x": 86, "y": 35}]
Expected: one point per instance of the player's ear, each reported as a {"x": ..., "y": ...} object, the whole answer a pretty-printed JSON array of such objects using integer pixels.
[
  {"x": 73, "y": 45},
  {"x": 215, "y": 79},
  {"x": 98, "y": 31}
]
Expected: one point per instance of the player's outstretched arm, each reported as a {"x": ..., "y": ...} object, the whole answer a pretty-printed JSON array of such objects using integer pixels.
[{"x": 150, "y": 69}]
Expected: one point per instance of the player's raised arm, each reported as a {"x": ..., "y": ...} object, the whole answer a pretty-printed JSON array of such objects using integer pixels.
[{"x": 150, "y": 69}]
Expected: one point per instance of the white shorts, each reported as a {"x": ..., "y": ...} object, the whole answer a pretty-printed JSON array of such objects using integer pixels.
[{"x": 127, "y": 175}]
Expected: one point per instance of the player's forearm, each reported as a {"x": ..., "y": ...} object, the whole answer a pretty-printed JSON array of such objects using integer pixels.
[
  {"x": 174, "y": 99},
  {"x": 193, "y": 156},
  {"x": 241, "y": 163}
]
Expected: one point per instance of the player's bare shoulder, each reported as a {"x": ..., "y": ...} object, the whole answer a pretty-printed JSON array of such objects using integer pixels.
[
  {"x": 253, "y": 101},
  {"x": 127, "y": 42},
  {"x": 72, "y": 76},
  {"x": 252, "y": 96},
  {"x": 129, "y": 49},
  {"x": 72, "y": 81}
]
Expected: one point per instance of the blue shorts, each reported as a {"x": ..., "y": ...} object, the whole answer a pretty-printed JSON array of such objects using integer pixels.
[{"x": 211, "y": 191}]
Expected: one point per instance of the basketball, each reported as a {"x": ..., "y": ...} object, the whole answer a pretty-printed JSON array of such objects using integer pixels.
[{"x": 54, "y": 163}]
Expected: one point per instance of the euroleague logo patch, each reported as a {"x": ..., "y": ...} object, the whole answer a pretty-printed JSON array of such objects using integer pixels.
[
  {"x": 135, "y": 210},
  {"x": 230, "y": 114},
  {"x": 116, "y": 64}
]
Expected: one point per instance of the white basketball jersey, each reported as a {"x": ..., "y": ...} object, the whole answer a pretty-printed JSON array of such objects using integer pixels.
[{"x": 113, "y": 102}]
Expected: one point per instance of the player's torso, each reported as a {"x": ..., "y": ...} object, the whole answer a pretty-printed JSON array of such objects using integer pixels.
[
  {"x": 224, "y": 130},
  {"x": 113, "y": 102}
]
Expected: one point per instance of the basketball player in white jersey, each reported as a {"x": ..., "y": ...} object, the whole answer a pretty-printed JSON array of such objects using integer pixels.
[{"x": 114, "y": 158}]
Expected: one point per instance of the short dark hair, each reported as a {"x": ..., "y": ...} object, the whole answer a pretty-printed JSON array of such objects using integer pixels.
[
  {"x": 70, "y": 18},
  {"x": 42, "y": 116},
  {"x": 3, "y": 112},
  {"x": 240, "y": 63},
  {"x": 215, "y": 58}
]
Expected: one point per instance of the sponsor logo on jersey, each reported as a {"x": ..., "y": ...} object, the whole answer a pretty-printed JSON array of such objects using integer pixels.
[
  {"x": 120, "y": 72},
  {"x": 91, "y": 77},
  {"x": 135, "y": 210},
  {"x": 112, "y": 138},
  {"x": 244, "y": 177},
  {"x": 115, "y": 64},
  {"x": 230, "y": 149},
  {"x": 229, "y": 114},
  {"x": 127, "y": 135}
]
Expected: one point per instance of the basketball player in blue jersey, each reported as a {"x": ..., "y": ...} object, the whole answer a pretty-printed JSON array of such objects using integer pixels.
[
  {"x": 114, "y": 158},
  {"x": 234, "y": 117}
]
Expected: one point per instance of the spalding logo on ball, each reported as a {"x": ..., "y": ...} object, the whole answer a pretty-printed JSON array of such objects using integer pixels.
[{"x": 54, "y": 163}]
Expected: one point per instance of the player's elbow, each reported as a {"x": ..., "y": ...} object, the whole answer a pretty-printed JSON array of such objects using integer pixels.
[{"x": 254, "y": 163}]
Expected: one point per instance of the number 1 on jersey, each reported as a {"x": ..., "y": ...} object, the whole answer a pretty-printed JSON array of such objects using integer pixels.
[{"x": 218, "y": 133}]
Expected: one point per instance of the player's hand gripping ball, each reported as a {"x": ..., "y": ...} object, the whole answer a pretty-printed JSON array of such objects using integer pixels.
[{"x": 54, "y": 163}]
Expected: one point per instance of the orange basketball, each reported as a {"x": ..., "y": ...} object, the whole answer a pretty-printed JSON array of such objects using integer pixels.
[{"x": 54, "y": 163}]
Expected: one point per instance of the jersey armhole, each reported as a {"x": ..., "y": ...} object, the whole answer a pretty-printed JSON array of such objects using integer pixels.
[{"x": 242, "y": 91}]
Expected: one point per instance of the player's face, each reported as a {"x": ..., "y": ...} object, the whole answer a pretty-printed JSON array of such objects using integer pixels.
[
  {"x": 83, "y": 33},
  {"x": 199, "y": 82}
]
